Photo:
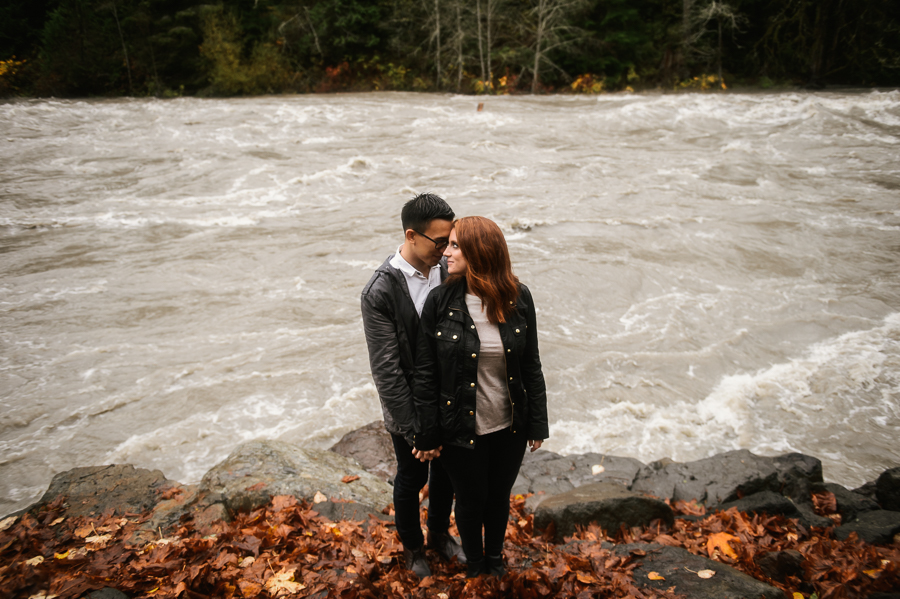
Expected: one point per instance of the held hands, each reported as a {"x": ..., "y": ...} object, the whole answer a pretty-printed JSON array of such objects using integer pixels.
[
  {"x": 427, "y": 456},
  {"x": 535, "y": 444}
]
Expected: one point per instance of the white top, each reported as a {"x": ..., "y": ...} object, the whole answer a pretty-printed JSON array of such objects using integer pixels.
[
  {"x": 493, "y": 411},
  {"x": 418, "y": 285}
]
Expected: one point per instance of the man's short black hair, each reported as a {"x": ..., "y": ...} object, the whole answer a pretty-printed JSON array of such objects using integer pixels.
[{"x": 422, "y": 209}]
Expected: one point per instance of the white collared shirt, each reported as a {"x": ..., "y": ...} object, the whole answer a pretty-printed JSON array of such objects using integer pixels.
[{"x": 418, "y": 285}]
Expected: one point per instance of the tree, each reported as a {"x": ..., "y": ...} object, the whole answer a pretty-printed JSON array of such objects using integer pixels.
[
  {"x": 725, "y": 17},
  {"x": 552, "y": 31}
]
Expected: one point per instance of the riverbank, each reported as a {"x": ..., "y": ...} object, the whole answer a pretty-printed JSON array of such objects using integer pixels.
[{"x": 276, "y": 520}]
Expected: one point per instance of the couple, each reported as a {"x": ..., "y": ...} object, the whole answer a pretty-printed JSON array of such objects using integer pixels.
[{"x": 454, "y": 355}]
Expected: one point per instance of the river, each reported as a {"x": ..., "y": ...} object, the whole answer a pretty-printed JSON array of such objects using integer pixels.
[{"x": 711, "y": 271}]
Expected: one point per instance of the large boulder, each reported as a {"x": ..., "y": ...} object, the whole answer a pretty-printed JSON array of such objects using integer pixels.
[
  {"x": 849, "y": 503},
  {"x": 117, "y": 488},
  {"x": 778, "y": 565},
  {"x": 729, "y": 476},
  {"x": 876, "y": 527},
  {"x": 678, "y": 569},
  {"x": 887, "y": 489},
  {"x": 371, "y": 446},
  {"x": 259, "y": 470},
  {"x": 775, "y": 504},
  {"x": 545, "y": 473},
  {"x": 608, "y": 505}
]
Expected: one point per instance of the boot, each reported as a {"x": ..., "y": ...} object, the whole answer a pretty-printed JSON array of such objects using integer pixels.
[
  {"x": 475, "y": 568},
  {"x": 446, "y": 546},
  {"x": 416, "y": 562},
  {"x": 494, "y": 565}
]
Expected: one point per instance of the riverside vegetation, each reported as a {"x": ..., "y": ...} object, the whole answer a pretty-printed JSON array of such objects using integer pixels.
[
  {"x": 275, "y": 520},
  {"x": 239, "y": 47}
]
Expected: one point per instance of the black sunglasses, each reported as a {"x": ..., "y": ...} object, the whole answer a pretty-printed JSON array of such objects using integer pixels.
[{"x": 438, "y": 245}]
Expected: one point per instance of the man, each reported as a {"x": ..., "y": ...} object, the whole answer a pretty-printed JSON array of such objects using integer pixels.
[{"x": 391, "y": 305}]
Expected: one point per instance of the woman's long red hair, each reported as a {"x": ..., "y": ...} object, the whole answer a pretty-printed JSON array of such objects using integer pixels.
[{"x": 489, "y": 275}]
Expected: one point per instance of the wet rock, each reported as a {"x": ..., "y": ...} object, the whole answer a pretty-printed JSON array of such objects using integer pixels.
[
  {"x": 849, "y": 503},
  {"x": 679, "y": 568},
  {"x": 545, "y": 473},
  {"x": 876, "y": 527},
  {"x": 371, "y": 446},
  {"x": 769, "y": 502},
  {"x": 120, "y": 489},
  {"x": 778, "y": 565},
  {"x": 728, "y": 476},
  {"x": 609, "y": 505},
  {"x": 259, "y": 470},
  {"x": 343, "y": 510},
  {"x": 887, "y": 490}
]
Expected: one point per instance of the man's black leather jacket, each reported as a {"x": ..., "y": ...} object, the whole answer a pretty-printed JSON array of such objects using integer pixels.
[
  {"x": 447, "y": 367},
  {"x": 391, "y": 323}
]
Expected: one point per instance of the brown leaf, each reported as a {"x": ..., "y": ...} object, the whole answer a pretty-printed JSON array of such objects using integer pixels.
[{"x": 350, "y": 478}]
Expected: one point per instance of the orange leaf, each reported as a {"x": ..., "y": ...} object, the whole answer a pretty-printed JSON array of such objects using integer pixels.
[
  {"x": 719, "y": 541},
  {"x": 655, "y": 576},
  {"x": 350, "y": 478}
]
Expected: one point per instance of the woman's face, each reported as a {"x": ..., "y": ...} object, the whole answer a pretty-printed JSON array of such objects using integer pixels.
[{"x": 456, "y": 264}]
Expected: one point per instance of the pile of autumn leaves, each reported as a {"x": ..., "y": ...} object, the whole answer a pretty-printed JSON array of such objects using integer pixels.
[{"x": 287, "y": 549}]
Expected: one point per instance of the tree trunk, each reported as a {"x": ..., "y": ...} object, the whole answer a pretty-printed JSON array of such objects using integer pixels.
[
  {"x": 459, "y": 47},
  {"x": 437, "y": 31},
  {"x": 124, "y": 49},
  {"x": 480, "y": 45},
  {"x": 539, "y": 34},
  {"x": 490, "y": 12}
]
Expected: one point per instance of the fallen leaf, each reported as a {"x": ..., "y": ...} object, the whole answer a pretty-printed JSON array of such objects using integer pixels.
[
  {"x": 719, "y": 542},
  {"x": 43, "y": 595},
  {"x": 319, "y": 497},
  {"x": 57, "y": 521},
  {"x": 102, "y": 539},
  {"x": 247, "y": 561},
  {"x": 283, "y": 582},
  {"x": 35, "y": 560},
  {"x": 350, "y": 478},
  {"x": 257, "y": 487},
  {"x": 585, "y": 578},
  {"x": 655, "y": 576},
  {"x": 872, "y": 573},
  {"x": 706, "y": 573},
  {"x": 61, "y": 555},
  {"x": 798, "y": 596},
  {"x": 7, "y": 522},
  {"x": 597, "y": 469}
]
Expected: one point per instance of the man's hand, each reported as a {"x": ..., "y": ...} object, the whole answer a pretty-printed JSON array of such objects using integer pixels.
[
  {"x": 427, "y": 456},
  {"x": 535, "y": 444}
]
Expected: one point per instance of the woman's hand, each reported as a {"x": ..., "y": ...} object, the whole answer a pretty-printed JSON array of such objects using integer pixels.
[
  {"x": 535, "y": 444},
  {"x": 427, "y": 456}
]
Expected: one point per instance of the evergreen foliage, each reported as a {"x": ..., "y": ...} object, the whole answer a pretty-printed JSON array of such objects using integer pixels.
[{"x": 170, "y": 47}]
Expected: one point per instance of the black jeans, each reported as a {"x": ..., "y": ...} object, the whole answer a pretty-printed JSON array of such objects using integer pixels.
[
  {"x": 411, "y": 477},
  {"x": 482, "y": 478}
]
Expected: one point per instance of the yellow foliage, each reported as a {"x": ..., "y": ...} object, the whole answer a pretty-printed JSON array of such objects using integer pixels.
[
  {"x": 587, "y": 84},
  {"x": 702, "y": 82}
]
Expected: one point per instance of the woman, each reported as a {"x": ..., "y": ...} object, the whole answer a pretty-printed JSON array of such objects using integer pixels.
[{"x": 479, "y": 389}]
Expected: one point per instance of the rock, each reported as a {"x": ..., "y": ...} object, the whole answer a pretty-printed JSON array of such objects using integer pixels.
[
  {"x": 867, "y": 490},
  {"x": 725, "y": 477},
  {"x": 259, "y": 470},
  {"x": 607, "y": 504},
  {"x": 849, "y": 503},
  {"x": 120, "y": 489},
  {"x": 371, "y": 446},
  {"x": 344, "y": 510},
  {"x": 876, "y": 527},
  {"x": 769, "y": 502},
  {"x": 679, "y": 567},
  {"x": 778, "y": 565},
  {"x": 545, "y": 473},
  {"x": 887, "y": 490}
]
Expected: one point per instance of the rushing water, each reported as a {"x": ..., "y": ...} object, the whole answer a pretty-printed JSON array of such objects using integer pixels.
[{"x": 711, "y": 271}]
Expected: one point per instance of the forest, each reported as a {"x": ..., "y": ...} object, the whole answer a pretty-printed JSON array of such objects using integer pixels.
[{"x": 167, "y": 48}]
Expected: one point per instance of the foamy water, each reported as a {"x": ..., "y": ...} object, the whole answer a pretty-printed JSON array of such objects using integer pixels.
[{"x": 711, "y": 271}]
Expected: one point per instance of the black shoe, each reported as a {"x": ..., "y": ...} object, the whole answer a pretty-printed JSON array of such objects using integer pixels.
[
  {"x": 475, "y": 568},
  {"x": 416, "y": 562},
  {"x": 446, "y": 546},
  {"x": 494, "y": 566}
]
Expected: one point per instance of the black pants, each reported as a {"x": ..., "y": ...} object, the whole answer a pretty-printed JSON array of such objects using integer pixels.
[
  {"x": 482, "y": 478},
  {"x": 411, "y": 477}
]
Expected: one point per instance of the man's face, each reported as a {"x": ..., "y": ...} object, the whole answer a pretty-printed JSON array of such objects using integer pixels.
[{"x": 425, "y": 249}]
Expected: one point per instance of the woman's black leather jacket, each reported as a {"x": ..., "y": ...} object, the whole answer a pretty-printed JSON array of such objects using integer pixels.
[{"x": 447, "y": 369}]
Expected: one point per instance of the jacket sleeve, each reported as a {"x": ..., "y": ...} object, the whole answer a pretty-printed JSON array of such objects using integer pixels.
[
  {"x": 427, "y": 386},
  {"x": 384, "y": 360},
  {"x": 533, "y": 375}
]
